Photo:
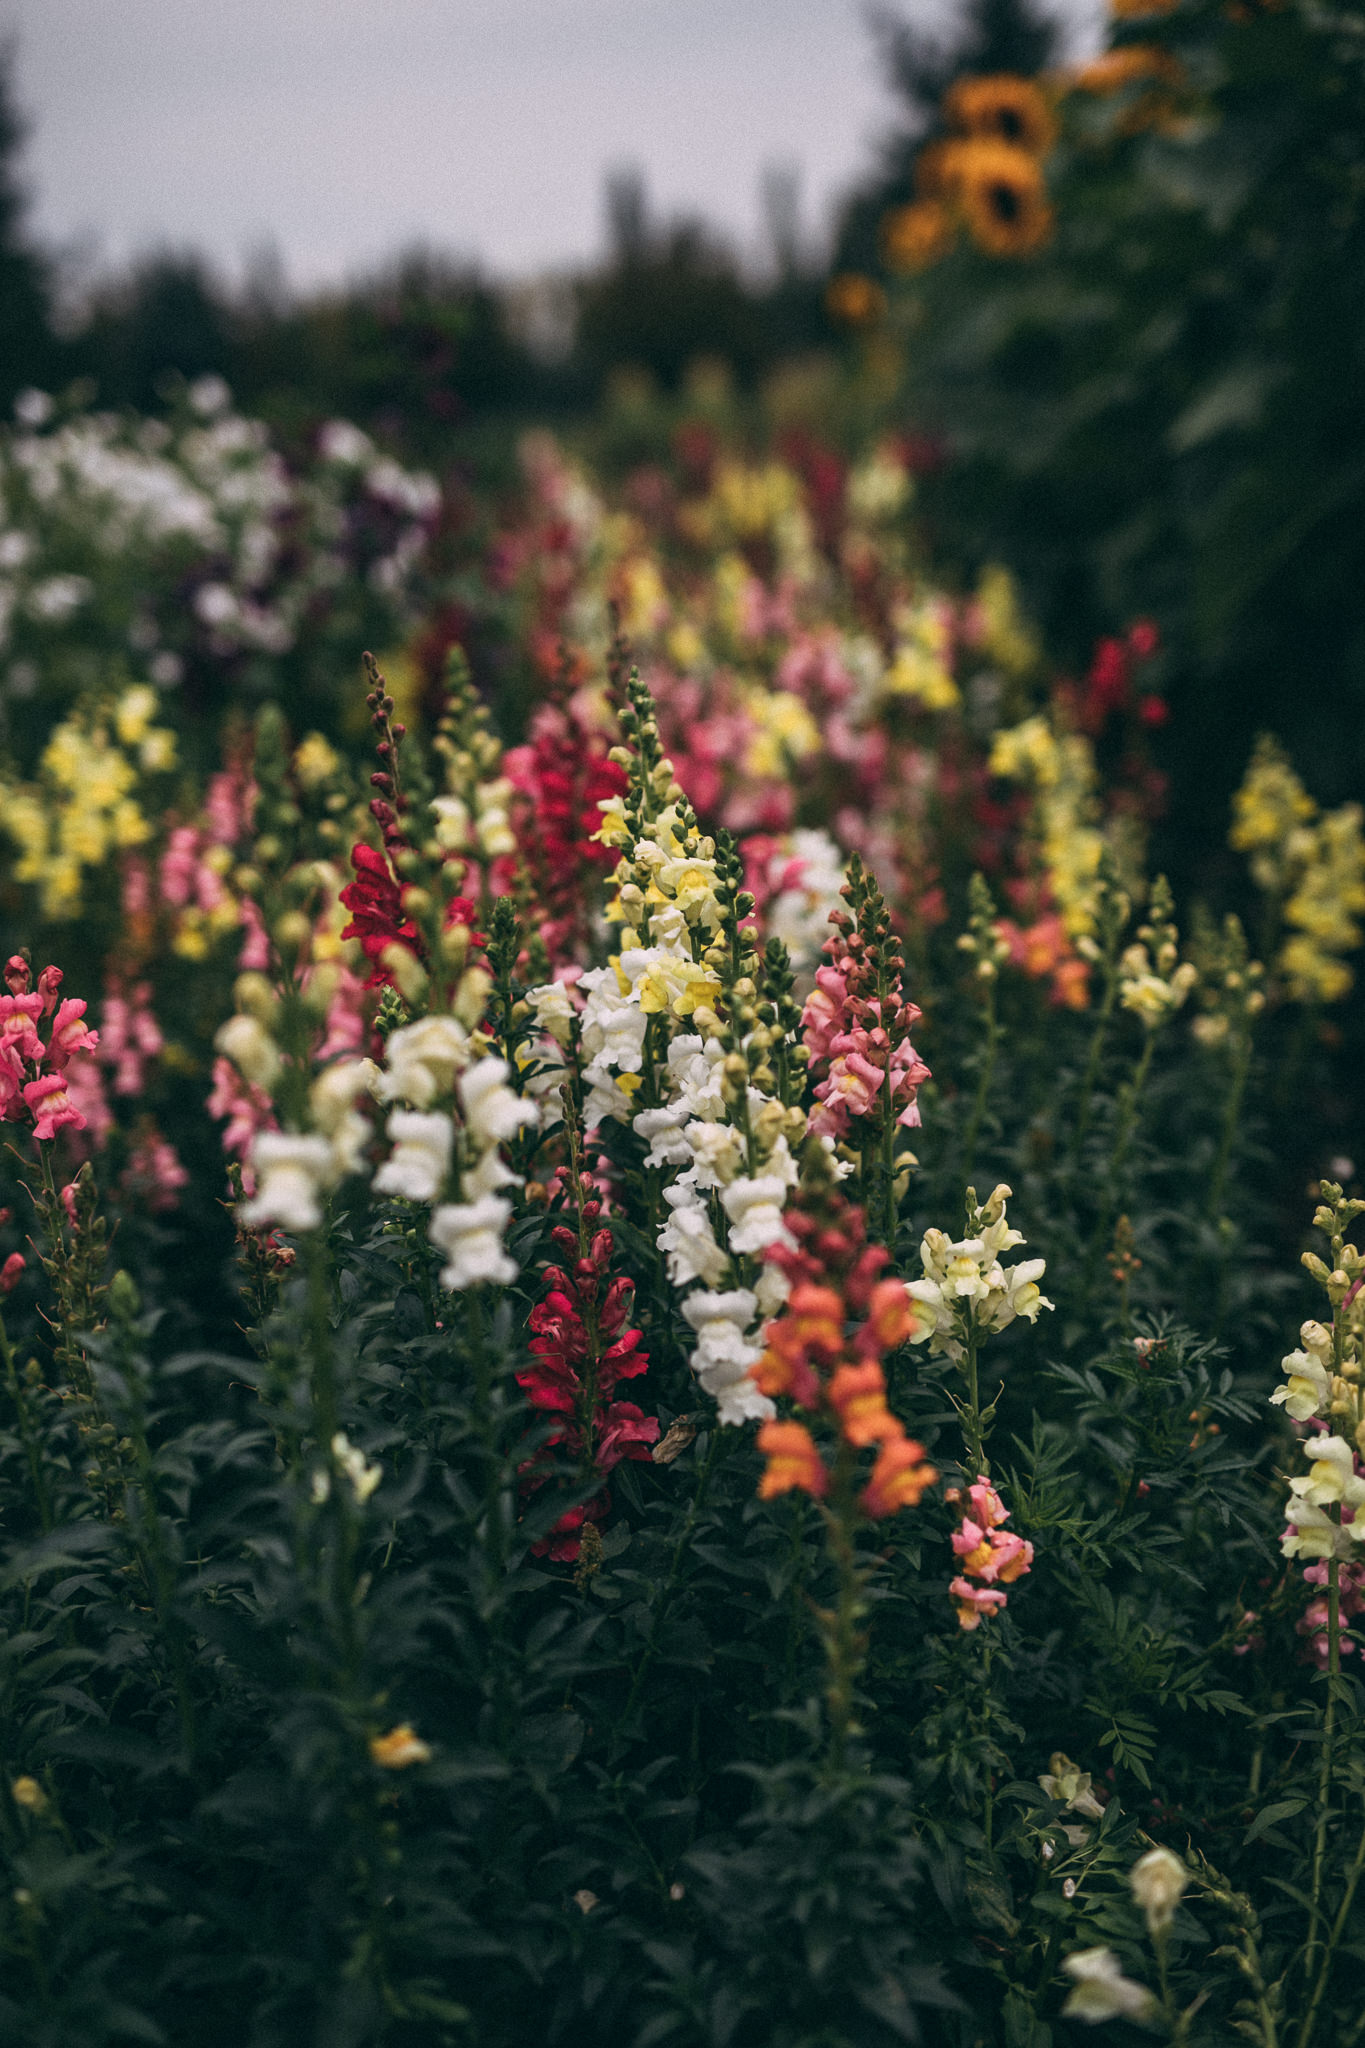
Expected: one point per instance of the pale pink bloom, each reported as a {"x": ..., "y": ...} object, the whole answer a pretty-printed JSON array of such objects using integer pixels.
[
  {"x": 245, "y": 1104},
  {"x": 347, "y": 1028},
  {"x": 85, "y": 1085},
  {"x": 68, "y": 1034},
  {"x": 137, "y": 887},
  {"x": 255, "y": 954},
  {"x": 154, "y": 1172},
  {"x": 975, "y": 1602},
  {"x": 179, "y": 860},
  {"x": 51, "y": 1107},
  {"x": 18, "y": 1017}
]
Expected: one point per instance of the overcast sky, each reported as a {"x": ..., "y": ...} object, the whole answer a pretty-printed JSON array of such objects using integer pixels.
[{"x": 337, "y": 131}]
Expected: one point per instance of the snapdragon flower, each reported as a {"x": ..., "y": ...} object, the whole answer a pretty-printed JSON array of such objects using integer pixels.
[
  {"x": 421, "y": 1061},
  {"x": 1308, "y": 1388},
  {"x": 1102, "y": 1992},
  {"x": 418, "y": 1166},
  {"x": 292, "y": 1171},
  {"x": 965, "y": 1290},
  {"x": 470, "y": 1234}
]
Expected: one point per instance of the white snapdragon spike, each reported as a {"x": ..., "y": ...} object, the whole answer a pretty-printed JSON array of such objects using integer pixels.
[
  {"x": 363, "y": 1476},
  {"x": 331, "y": 1101},
  {"x": 552, "y": 1005},
  {"x": 754, "y": 1207},
  {"x": 689, "y": 1241},
  {"x": 254, "y": 1053},
  {"x": 493, "y": 1112},
  {"x": 470, "y": 1234},
  {"x": 726, "y": 1350},
  {"x": 292, "y": 1171},
  {"x": 1102, "y": 1992},
  {"x": 421, "y": 1061},
  {"x": 419, "y": 1164},
  {"x": 614, "y": 1028},
  {"x": 1308, "y": 1387},
  {"x": 965, "y": 1287},
  {"x": 1331, "y": 1476},
  {"x": 1148, "y": 995}
]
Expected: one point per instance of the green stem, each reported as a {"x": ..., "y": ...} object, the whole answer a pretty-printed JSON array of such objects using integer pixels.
[
  {"x": 1231, "y": 1113},
  {"x": 1338, "y": 1929},
  {"x": 1092, "y": 1069},
  {"x": 1325, "y": 1773},
  {"x": 843, "y": 1645},
  {"x": 984, "y": 1079},
  {"x": 650, "y": 1650},
  {"x": 32, "y": 1446}
]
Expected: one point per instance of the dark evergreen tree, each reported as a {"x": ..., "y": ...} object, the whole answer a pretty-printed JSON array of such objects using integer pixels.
[{"x": 27, "y": 344}]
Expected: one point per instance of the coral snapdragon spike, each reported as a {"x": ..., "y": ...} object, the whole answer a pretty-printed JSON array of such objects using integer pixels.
[{"x": 837, "y": 1284}]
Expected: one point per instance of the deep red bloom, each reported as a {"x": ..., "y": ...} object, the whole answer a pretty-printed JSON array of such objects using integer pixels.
[
  {"x": 375, "y": 902},
  {"x": 582, "y": 1347}
]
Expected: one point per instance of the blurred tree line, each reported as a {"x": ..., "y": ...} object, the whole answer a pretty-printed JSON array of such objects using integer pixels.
[{"x": 418, "y": 351}]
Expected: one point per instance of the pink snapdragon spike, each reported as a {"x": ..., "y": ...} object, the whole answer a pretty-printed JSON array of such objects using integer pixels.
[
  {"x": 129, "y": 1036},
  {"x": 154, "y": 1173},
  {"x": 857, "y": 1023},
  {"x": 990, "y": 1556},
  {"x": 1313, "y": 1623},
  {"x": 34, "y": 1083}
]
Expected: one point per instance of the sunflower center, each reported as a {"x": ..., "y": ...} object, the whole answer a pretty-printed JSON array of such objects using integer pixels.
[{"x": 1005, "y": 203}]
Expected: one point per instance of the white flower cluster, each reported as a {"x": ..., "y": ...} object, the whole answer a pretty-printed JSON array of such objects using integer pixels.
[
  {"x": 966, "y": 1288},
  {"x": 425, "y": 1061},
  {"x": 806, "y": 872},
  {"x": 294, "y": 1169},
  {"x": 729, "y": 1187},
  {"x": 714, "y": 1188},
  {"x": 99, "y": 516},
  {"x": 1330, "y": 1482}
]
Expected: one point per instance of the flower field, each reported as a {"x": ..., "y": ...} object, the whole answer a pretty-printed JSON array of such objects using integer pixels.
[{"x": 682, "y": 1357}]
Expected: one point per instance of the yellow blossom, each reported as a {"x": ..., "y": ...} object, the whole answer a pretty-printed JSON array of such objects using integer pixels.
[{"x": 399, "y": 1748}]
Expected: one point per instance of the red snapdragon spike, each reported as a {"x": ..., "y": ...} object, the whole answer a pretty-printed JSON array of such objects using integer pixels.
[
  {"x": 375, "y": 903},
  {"x": 581, "y": 1351},
  {"x": 560, "y": 778}
]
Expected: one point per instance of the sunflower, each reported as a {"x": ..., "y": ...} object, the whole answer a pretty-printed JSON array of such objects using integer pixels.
[
  {"x": 854, "y": 299},
  {"x": 1003, "y": 107},
  {"x": 915, "y": 236},
  {"x": 999, "y": 189}
]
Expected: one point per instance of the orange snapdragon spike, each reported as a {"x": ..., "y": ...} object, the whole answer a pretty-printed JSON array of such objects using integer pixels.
[
  {"x": 794, "y": 1463},
  {"x": 890, "y": 1317},
  {"x": 857, "y": 1394},
  {"x": 898, "y": 1479},
  {"x": 815, "y": 1319}
]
